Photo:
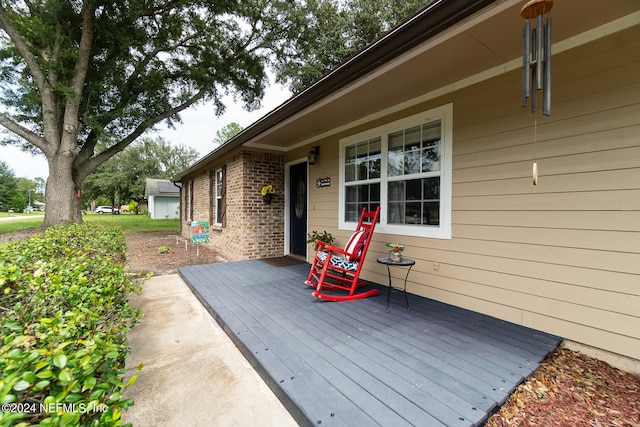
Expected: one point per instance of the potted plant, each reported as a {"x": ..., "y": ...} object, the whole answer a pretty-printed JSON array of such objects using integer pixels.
[
  {"x": 267, "y": 193},
  {"x": 323, "y": 237},
  {"x": 395, "y": 251}
]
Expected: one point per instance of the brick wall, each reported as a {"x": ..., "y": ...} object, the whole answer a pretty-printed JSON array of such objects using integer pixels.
[
  {"x": 253, "y": 229},
  {"x": 201, "y": 198},
  {"x": 231, "y": 237},
  {"x": 263, "y": 223}
]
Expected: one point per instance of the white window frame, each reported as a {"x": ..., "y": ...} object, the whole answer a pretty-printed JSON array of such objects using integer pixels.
[
  {"x": 441, "y": 231},
  {"x": 189, "y": 206},
  {"x": 218, "y": 187}
]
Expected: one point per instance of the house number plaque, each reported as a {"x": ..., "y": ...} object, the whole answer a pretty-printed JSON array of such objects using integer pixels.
[{"x": 323, "y": 182}]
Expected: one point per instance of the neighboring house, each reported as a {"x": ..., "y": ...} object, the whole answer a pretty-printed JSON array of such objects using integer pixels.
[
  {"x": 428, "y": 123},
  {"x": 163, "y": 198}
]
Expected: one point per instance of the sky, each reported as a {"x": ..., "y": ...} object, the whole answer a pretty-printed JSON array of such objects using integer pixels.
[{"x": 198, "y": 129}]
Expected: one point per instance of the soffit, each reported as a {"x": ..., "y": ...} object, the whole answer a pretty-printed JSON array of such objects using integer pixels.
[{"x": 488, "y": 39}]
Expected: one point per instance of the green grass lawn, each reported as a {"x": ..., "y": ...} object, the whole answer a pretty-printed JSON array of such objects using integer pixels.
[
  {"x": 19, "y": 224},
  {"x": 128, "y": 222}
]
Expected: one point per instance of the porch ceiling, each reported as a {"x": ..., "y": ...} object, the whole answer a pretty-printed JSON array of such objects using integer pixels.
[{"x": 490, "y": 38}]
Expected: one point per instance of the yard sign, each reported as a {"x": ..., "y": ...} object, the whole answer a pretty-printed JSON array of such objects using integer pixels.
[{"x": 199, "y": 232}]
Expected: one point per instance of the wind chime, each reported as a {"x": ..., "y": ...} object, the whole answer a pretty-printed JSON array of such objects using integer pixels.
[{"x": 536, "y": 60}]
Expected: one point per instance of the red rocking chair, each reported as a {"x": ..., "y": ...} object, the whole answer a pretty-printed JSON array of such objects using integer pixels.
[{"x": 337, "y": 269}]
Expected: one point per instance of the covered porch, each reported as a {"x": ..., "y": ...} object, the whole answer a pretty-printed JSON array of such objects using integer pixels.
[{"x": 352, "y": 363}]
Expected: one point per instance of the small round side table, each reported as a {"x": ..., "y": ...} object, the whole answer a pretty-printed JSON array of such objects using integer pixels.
[{"x": 405, "y": 262}]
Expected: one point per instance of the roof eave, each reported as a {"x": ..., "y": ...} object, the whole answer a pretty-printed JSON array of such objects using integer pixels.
[{"x": 426, "y": 23}]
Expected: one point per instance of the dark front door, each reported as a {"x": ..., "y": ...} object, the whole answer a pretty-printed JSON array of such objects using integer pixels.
[{"x": 298, "y": 209}]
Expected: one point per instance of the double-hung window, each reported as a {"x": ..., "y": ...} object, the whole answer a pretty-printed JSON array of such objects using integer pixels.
[
  {"x": 189, "y": 201},
  {"x": 362, "y": 177},
  {"x": 404, "y": 167},
  {"x": 218, "y": 184}
]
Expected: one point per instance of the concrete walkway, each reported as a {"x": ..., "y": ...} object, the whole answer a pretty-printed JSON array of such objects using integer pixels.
[{"x": 193, "y": 374}]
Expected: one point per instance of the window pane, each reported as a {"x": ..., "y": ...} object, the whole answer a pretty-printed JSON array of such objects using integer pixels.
[
  {"x": 363, "y": 193},
  {"x": 431, "y": 135},
  {"x": 396, "y": 190},
  {"x": 431, "y": 158},
  {"x": 415, "y": 201},
  {"x": 358, "y": 197},
  {"x": 431, "y": 131},
  {"x": 414, "y": 150},
  {"x": 350, "y": 154},
  {"x": 431, "y": 188},
  {"x": 413, "y": 213},
  {"x": 412, "y": 161},
  {"x": 431, "y": 213},
  {"x": 412, "y": 138},
  {"x": 350, "y": 163},
  {"x": 374, "y": 158},
  {"x": 395, "y": 156},
  {"x": 218, "y": 211},
  {"x": 363, "y": 160},
  {"x": 351, "y": 213},
  {"x": 351, "y": 204},
  {"x": 362, "y": 153},
  {"x": 414, "y": 190},
  {"x": 219, "y": 183},
  {"x": 351, "y": 193},
  {"x": 374, "y": 194},
  {"x": 396, "y": 213},
  {"x": 350, "y": 173}
]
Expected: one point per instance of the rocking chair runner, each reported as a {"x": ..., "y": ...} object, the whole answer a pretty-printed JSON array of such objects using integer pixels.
[{"x": 337, "y": 269}]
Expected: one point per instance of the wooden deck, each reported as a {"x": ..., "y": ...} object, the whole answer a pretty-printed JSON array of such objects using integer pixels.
[{"x": 351, "y": 363}]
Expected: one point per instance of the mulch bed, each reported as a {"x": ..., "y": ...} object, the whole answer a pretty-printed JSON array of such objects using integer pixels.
[{"x": 571, "y": 389}]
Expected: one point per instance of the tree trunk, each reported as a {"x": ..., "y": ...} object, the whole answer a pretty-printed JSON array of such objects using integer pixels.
[{"x": 63, "y": 203}]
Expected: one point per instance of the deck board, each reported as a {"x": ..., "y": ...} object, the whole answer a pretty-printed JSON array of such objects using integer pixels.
[{"x": 352, "y": 363}]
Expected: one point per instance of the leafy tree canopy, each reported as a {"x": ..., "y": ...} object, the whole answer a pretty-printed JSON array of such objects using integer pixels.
[
  {"x": 123, "y": 177},
  {"x": 82, "y": 79},
  {"x": 226, "y": 133},
  {"x": 336, "y": 30},
  {"x": 8, "y": 185}
]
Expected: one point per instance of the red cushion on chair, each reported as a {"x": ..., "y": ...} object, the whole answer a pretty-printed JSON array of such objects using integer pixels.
[{"x": 355, "y": 244}]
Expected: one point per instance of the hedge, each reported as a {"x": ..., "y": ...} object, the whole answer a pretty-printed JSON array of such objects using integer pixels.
[{"x": 64, "y": 317}]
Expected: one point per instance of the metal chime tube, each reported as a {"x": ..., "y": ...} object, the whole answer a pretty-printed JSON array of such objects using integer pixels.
[
  {"x": 546, "y": 91},
  {"x": 526, "y": 63},
  {"x": 534, "y": 62},
  {"x": 536, "y": 54},
  {"x": 539, "y": 54}
]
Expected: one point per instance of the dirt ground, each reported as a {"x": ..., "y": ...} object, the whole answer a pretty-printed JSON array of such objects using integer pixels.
[
  {"x": 162, "y": 253},
  {"x": 156, "y": 252}
]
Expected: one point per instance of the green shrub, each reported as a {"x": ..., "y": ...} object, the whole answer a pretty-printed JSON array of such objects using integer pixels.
[{"x": 64, "y": 316}]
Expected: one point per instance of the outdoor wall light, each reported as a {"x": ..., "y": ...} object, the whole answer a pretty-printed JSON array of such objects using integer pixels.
[{"x": 312, "y": 156}]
